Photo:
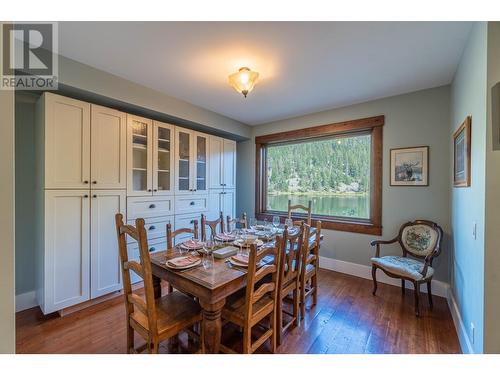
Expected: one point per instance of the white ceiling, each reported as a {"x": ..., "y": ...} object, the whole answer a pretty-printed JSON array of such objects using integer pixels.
[{"x": 304, "y": 66}]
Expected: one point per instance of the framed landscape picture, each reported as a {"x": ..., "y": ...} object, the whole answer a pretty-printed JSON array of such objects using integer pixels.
[
  {"x": 410, "y": 166},
  {"x": 461, "y": 154}
]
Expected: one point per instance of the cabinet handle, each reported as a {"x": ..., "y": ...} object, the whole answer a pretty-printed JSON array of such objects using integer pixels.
[
  {"x": 191, "y": 203},
  {"x": 194, "y": 189},
  {"x": 86, "y": 196},
  {"x": 85, "y": 182},
  {"x": 151, "y": 249},
  {"x": 155, "y": 190},
  {"x": 152, "y": 227},
  {"x": 94, "y": 196},
  {"x": 191, "y": 222},
  {"x": 94, "y": 182},
  {"x": 152, "y": 206},
  {"x": 149, "y": 190}
]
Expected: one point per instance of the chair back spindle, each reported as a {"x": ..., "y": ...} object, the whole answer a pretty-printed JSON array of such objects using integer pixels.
[
  {"x": 307, "y": 209},
  {"x": 212, "y": 224},
  {"x": 232, "y": 223},
  {"x": 171, "y": 235}
]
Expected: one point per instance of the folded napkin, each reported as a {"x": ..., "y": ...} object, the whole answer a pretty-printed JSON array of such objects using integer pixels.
[
  {"x": 240, "y": 258},
  {"x": 192, "y": 244},
  {"x": 225, "y": 237},
  {"x": 182, "y": 261}
]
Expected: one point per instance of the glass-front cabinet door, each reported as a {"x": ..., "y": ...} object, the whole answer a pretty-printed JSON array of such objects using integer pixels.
[
  {"x": 163, "y": 161},
  {"x": 183, "y": 161},
  {"x": 139, "y": 163},
  {"x": 201, "y": 161}
]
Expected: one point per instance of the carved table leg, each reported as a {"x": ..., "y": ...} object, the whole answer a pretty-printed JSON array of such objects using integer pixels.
[
  {"x": 212, "y": 325},
  {"x": 157, "y": 286}
]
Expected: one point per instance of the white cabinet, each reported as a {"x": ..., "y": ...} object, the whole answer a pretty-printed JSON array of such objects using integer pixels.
[
  {"x": 105, "y": 258},
  {"x": 146, "y": 207},
  {"x": 150, "y": 161},
  {"x": 65, "y": 136},
  {"x": 222, "y": 163},
  {"x": 108, "y": 148},
  {"x": 65, "y": 256},
  {"x": 139, "y": 156},
  {"x": 221, "y": 200},
  {"x": 191, "y": 161}
]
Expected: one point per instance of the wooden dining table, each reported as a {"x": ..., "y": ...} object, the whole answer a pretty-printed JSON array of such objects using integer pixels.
[{"x": 211, "y": 286}]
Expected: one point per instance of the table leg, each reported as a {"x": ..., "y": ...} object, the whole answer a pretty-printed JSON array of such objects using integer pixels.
[
  {"x": 212, "y": 325},
  {"x": 157, "y": 286}
]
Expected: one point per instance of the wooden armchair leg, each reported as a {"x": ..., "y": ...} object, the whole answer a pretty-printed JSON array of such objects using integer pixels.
[
  {"x": 403, "y": 287},
  {"x": 417, "y": 298},
  {"x": 302, "y": 299},
  {"x": 130, "y": 339},
  {"x": 374, "y": 276},
  {"x": 429, "y": 294}
]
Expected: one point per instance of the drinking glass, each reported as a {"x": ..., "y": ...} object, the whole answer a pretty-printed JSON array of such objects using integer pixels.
[
  {"x": 208, "y": 255},
  {"x": 289, "y": 223},
  {"x": 276, "y": 221},
  {"x": 252, "y": 222}
]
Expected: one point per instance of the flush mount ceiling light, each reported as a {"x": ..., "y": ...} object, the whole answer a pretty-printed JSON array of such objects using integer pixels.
[{"x": 244, "y": 80}]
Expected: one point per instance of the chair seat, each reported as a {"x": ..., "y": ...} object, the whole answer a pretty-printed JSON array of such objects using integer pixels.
[
  {"x": 234, "y": 309},
  {"x": 403, "y": 266},
  {"x": 175, "y": 312}
]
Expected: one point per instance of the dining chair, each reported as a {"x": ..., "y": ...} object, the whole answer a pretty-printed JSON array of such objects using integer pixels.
[
  {"x": 235, "y": 221},
  {"x": 259, "y": 302},
  {"x": 309, "y": 268},
  {"x": 420, "y": 239},
  {"x": 289, "y": 276},
  {"x": 155, "y": 320},
  {"x": 307, "y": 209},
  {"x": 171, "y": 235},
  {"x": 212, "y": 224}
]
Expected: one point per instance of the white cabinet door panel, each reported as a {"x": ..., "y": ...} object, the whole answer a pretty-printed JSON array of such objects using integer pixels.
[
  {"x": 139, "y": 156},
  {"x": 229, "y": 164},
  {"x": 190, "y": 204},
  {"x": 216, "y": 153},
  {"x": 67, "y": 143},
  {"x": 108, "y": 148},
  {"x": 105, "y": 257},
  {"x": 67, "y": 248},
  {"x": 163, "y": 158}
]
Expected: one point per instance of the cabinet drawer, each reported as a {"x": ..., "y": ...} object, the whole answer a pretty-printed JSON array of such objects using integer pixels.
[
  {"x": 147, "y": 207},
  {"x": 190, "y": 204},
  {"x": 155, "y": 227},
  {"x": 133, "y": 254}
]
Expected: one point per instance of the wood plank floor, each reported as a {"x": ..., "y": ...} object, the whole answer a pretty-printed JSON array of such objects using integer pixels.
[{"x": 347, "y": 319}]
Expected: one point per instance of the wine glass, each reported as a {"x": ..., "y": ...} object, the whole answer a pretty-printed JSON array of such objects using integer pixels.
[
  {"x": 276, "y": 221},
  {"x": 289, "y": 223},
  {"x": 252, "y": 222},
  {"x": 208, "y": 255}
]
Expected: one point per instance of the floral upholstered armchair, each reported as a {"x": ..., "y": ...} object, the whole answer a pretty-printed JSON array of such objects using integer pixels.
[{"x": 420, "y": 239}]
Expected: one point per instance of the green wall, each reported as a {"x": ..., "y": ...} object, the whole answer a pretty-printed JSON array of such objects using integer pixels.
[{"x": 415, "y": 119}]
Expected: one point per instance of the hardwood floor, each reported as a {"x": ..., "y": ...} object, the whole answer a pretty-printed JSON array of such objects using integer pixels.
[{"x": 347, "y": 319}]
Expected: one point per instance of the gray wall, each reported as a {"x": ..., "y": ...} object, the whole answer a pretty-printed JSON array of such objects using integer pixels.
[
  {"x": 468, "y": 97},
  {"x": 414, "y": 119}
]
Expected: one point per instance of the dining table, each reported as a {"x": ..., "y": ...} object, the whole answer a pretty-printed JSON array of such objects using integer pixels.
[{"x": 211, "y": 286}]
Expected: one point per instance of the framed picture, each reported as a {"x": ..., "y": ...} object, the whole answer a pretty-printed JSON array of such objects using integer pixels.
[
  {"x": 461, "y": 154},
  {"x": 410, "y": 166}
]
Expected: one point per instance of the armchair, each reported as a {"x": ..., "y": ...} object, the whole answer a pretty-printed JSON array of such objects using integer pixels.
[{"x": 420, "y": 239}]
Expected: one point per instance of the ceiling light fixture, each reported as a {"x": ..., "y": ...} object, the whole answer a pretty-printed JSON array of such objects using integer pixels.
[{"x": 244, "y": 80}]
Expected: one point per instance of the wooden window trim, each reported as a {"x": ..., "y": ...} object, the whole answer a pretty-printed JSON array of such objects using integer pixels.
[{"x": 371, "y": 125}]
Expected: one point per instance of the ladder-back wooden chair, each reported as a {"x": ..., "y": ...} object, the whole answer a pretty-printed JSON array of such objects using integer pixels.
[
  {"x": 420, "y": 239},
  {"x": 232, "y": 223},
  {"x": 307, "y": 209},
  {"x": 155, "y": 320},
  {"x": 289, "y": 277},
  {"x": 259, "y": 301},
  {"x": 310, "y": 266},
  {"x": 212, "y": 224},
  {"x": 171, "y": 235}
]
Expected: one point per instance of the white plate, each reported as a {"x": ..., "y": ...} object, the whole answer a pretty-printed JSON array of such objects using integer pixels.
[
  {"x": 244, "y": 265},
  {"x": 242, "y": 244},
  {"x": 183, "y": 267},
  {"x": 199, "y": 246}
]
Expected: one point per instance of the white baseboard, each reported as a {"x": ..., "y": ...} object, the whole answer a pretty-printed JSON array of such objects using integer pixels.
[
  {"x": 463, "y": 337},
  {"x": 26, "y": 301},
  {"x": 439, "y": 288}
]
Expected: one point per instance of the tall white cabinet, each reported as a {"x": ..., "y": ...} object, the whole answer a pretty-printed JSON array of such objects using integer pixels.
[
  {"x": 81, "y": 185},
  {"x": 94, "y": 162}
]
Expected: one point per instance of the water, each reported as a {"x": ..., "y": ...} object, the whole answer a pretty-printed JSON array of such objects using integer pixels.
[{"x": 333, "y": 205}]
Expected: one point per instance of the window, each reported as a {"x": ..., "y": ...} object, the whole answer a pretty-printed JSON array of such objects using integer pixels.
[{"x": 338, "y": 167}]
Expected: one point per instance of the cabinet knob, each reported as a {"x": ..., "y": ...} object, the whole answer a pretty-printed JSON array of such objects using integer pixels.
[
  {"x": 149, "y": 190},
  {"x": 194, "y": 189},
  {"x": 94, "y": 182},
  {"x": 155, "y": 190},
  {"x": 152, "y": 206},
  {"x": 94, "y": 196},
  {"x": 191, "y": 203},
  {"x": 86, "y": 196},
  {"x": 152, "y": 227},
  {"x": 85, "y": 182},
  {"x": 151, "y": 249},
  {"x": 191, "y": 222}
]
